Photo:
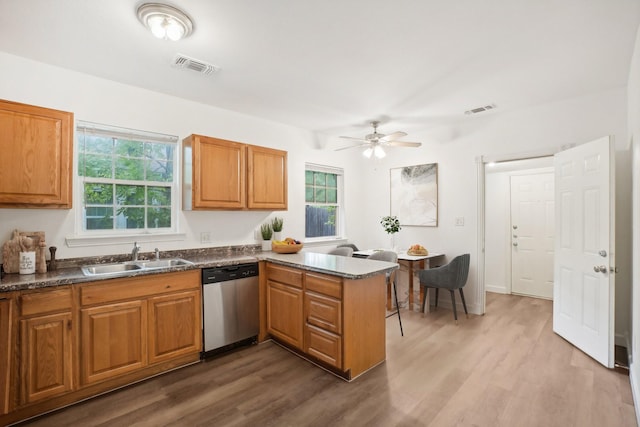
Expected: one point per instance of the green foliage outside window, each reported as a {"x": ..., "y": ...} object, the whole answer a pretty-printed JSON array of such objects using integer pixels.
[{"x": 127, "y": 184}]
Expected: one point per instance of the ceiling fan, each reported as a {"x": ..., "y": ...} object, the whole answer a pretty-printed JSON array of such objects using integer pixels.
[{"x": 375, "y": 141}]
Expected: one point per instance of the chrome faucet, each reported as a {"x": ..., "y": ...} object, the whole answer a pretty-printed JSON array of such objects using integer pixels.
[
  {"x": 134, "y": 252},
  {"x": 157, "y": 254}
]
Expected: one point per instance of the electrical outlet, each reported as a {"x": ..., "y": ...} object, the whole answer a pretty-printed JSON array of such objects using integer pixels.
[
  {"x": 459, "y": 221},
  {"x": 205, "y": 237}
]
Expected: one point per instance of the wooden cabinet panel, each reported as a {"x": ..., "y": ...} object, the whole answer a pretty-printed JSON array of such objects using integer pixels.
[
  {"x": 323, "y": 345},
  {"x": 174, "y": 325},
  {"x": 36, "y": 162},
  {"x": 45, "y": 301},
  {"x": 6, "y": 347},
  {"x": 284, "y": 313},
  {"x": 323, "y": 312},
  {"x": 113, "y": 340},
  {"x": 46, "y": 357},
  {"x": 267, "y": 178}
]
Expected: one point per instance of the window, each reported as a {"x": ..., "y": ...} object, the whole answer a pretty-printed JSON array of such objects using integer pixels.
[
  {"x": 127, "y": 180},
  {"x": 323, "y": 202}
]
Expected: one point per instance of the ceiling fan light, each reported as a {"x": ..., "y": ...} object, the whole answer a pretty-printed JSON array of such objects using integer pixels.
[
  {"x": 379, "y": 152},
  {"x": 368, "y": 152}
]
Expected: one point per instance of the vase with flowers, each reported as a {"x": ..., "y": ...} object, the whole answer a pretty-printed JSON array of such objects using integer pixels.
[{"x": 391, "y": 225}]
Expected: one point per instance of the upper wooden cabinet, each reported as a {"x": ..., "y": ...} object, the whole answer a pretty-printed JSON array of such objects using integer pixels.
[
  {"x": 221, "y": 174},
  {"x": 37, "y": 156}
]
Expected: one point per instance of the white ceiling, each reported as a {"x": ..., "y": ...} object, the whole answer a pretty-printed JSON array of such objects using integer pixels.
[{"x": 332, "y": 65}]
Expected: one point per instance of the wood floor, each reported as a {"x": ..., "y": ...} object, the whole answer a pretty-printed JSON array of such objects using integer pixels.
[{"x": 506, "y": 368}]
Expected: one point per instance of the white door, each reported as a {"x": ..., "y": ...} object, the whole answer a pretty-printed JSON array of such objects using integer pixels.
[
  {"x": 532, "y": 234},
  {"x": 584, "y": 292}
]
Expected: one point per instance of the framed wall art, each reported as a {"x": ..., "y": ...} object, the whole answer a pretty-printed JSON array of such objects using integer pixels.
[{"x": 414, "y": 194}]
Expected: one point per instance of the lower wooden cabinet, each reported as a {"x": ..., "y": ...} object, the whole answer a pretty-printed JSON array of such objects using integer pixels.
[
  {"x": 284, "y": 314},
  {"x": 46, "y": 356},
  {"x": 174, "y": 326},
  {"x": 64, "y": 344},
  {"x": 131, "y": 323},
  {"x": 335, "y": 321},
  {"x": 113, "y": 340}
]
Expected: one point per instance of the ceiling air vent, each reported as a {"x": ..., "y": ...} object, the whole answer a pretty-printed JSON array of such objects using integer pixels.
[
  {"x": 480, "y": 109},
  {"x": 182, "y": 61}
]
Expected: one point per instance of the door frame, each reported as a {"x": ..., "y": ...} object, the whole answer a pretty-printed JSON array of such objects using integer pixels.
[{"x": 481, "y": 162}]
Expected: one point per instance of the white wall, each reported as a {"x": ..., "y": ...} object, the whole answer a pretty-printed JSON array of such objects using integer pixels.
[
  {"x": 102, "y": 101},
  {"x": 633, "y": 94}
]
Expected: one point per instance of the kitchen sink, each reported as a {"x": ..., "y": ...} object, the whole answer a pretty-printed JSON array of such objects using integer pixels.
[
  {"x": 164, "y": 263},
  {"x": 117, "y": 268},
  {"x": 123, "y": 268}
]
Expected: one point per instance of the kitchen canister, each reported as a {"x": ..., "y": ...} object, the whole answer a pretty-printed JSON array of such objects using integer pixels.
[{"x": 27, "y": 262}]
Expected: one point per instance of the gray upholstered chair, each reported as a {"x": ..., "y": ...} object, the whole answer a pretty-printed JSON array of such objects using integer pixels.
[
  {"x": 349, "y": 245},
  {"x": 390, "y": 256},
  {"x": 341, "y": 252},
  {"x": 451, "y": 276}
]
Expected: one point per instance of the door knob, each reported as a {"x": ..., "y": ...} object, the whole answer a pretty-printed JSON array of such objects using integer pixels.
[{"x": 600, "y": 268}]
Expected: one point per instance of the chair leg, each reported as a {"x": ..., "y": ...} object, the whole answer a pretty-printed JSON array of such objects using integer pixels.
[
  {"x": 436, "y": 304},
  {"x": 453, "y": 304},
  {"x": 395, "y": 293},
  {"x": 424, "y": 300},
  {"x": 464, "y": 304}
]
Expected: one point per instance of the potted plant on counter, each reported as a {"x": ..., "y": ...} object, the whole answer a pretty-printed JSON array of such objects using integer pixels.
[
  {"x": 267, "y": 231},
  {"x": 391, "y": 225},
  {"x": 276, "y": 224}
]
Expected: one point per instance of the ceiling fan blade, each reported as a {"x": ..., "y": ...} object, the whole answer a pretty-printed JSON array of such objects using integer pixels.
[
  {"x": 403, "y": 144},
  {"x": 393, "y": 136},
  {"x": 354, "y": 138},
  {"x": 352, "y": 146}
]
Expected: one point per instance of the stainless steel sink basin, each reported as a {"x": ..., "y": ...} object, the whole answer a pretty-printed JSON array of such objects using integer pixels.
[
  {"x": 164, "y": 263},
  {"x": 123, "y": 268},
  {"x": 117, "y": 268}
]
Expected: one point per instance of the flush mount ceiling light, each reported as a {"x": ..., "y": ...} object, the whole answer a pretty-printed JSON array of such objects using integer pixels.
[{"x": 164, "y": 21}]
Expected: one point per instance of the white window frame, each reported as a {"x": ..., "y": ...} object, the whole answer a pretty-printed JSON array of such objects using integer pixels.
[
  {"x": 83, "y": 237},
  {"x": 340, "y": 217}
]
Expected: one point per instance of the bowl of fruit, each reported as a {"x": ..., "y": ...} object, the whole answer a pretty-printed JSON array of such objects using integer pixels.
[
  {"x": 417, "y": 250},
  {"x": 286, "y": 246}
]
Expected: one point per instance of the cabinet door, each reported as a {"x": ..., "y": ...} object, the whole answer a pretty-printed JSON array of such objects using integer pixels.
[
  {"x": 219, "y": 171},
  {"x": 5, "y": 352},
  {"x": 46, "y": 357},
  {"x": 174, "y": 326},
  {"x": 113, "y": 340},
  {"x": 284, "y": 313},
  {"x": 267, "y": 175},
  {"x": 35, "y": 166}
]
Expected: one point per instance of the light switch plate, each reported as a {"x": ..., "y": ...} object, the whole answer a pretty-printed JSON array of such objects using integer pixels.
[{"x": 459, "y": 221}]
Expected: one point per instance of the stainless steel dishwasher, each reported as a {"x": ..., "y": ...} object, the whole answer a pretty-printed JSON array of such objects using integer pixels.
[{"x": 230, "y": 307}]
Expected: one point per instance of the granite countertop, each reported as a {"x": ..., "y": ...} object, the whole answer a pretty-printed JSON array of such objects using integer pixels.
[{"x": 69, "y": 271}]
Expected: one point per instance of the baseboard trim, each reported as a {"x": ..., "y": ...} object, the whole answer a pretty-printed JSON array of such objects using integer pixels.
[{"x": 496, "y": 289}]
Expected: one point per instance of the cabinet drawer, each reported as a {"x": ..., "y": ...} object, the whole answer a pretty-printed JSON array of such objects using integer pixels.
[
  {"x": 328, "y": 285},
  {"x": 138, "y": 287},
  {"x": 323, "y": 312},
  {"x": 46, "y": 301},
  {"x": 323, "y": 345},
  {"x": 289, "y": 276}
]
